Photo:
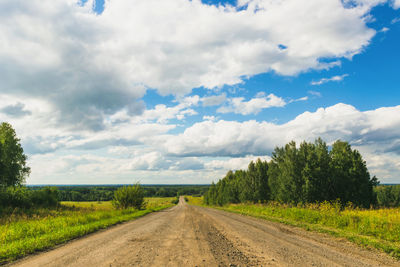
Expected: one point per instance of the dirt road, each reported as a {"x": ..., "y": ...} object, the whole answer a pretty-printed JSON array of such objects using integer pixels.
[{"x": 194, "y": 236}]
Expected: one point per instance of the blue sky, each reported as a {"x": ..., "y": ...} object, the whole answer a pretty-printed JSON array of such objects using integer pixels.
[
  {"x": 182, "y": 91},
  {"x": 370, "y": 79}
]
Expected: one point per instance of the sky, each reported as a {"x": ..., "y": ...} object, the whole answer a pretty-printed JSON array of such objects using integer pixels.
[{"x": 180, "y": 92}]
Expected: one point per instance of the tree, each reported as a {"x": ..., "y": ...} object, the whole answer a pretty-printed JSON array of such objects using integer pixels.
[
  {"x": 316, "y": 172},
  {"x": 285, "y": 179},
  {"x": 307, "y": 174},
  {"x": 351, "y": 179},
  {"x": 211, "y": 195},
  {"x": 260, "y": 176},
  {"x": 13, "y": 169}
]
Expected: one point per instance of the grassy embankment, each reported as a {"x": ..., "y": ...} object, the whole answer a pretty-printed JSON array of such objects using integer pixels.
[
  {"x": 378, "y": 228},
  {"x": 22, "y": 233}
]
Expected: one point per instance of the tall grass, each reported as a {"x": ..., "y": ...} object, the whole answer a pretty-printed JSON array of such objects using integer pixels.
[
  {"x": 378, "y": 228},
  {"x": 24, "y": 234}
]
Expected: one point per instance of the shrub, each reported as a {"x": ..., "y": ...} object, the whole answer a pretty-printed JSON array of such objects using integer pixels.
[
  {"x": 23, "y": 198},
  {"x": 15, "y": 197},
  {"x": 175, "y": 200},
  {"x": 129, "y": 196},
  {"x": 46, "y": 197}
]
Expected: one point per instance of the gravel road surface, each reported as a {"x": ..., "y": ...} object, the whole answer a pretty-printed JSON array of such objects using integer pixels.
[{"x": 187, "y": 235}]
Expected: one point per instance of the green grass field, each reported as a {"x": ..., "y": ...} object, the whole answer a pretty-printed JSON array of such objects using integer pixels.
[
  {"x": 25, "y": 233},
  {"x": 378, "y": 228}
]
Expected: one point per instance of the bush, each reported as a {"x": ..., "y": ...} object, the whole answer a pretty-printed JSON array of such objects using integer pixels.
[
  {"x": 175, "y": 201},
  {"x": 23, "y": 198},
  {"x": 46, "y": 197},
  {"x": 129, "y": 196},
  {"x": 15, "y": 197}
]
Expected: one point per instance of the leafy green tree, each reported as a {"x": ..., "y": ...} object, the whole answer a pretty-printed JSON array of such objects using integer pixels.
[
  {"x": 233, "y": 189},
  {"x": 210, "y": 196},
  {"x": 388, "y": 195},
  {"x": 259, "y": 174},
  {"x": 351, "y": 179},
  {"x": 309, "y": 173},
  {"x": 13, "y": 169},
  {"x": 316, "y": 172},
  {"x": 249, "y": 183},
  {"x": 285, "y": 177}
]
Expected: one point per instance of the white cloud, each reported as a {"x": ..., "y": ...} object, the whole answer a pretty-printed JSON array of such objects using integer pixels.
[
  {"x": 222, "y": 138},
  {"x": 210, "y": 118},
  {"x": 208, "y": 149},
  {"x": 384, "y": 29},
  {"x": 214, "y": 100},
  {"x": 315, "y": 93},
  {"x": 72, "y": 83},
  {"x": 253, "y": 106},
  {"x": 189, "y": 163},
  {"x": 300, "y": 99},
  {"x": 396, "y": 4},
  {"x": 336, "y": 78},
  {"x": 149, "y": 161},
  {"x": 240, "y": 163},
  {"x": 162, "y": 114},
  {"x": 39, "y": 132},
  {"x": 88, "y": 66},
  {"x": 377, "y": 130}
]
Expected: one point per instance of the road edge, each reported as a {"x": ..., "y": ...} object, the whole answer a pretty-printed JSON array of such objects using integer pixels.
[{"x": 366, "y": 242}]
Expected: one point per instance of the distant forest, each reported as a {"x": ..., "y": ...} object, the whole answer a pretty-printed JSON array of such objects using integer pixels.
[
  {"x": 106, "y": 192},
  {"x": 306, "y": 174}
]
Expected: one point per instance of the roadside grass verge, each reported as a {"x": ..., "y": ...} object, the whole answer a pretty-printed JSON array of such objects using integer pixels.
[
  {"x": 23, "y": 234},
  {"x": 369, "y": 228},
  {"x": 198, "y": 201}
]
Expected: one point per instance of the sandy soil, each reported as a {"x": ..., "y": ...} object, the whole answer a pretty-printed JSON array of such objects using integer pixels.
[{"x": 195, "y": 236}]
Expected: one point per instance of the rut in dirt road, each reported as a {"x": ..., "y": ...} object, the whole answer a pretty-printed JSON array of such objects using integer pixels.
[{"x": 195, "y": 236}]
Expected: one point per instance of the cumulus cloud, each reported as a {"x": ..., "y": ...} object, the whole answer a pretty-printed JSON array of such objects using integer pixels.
[
  {"x": 214, "y": 100},
  {"x": 150, "y": 161},
  {"x": 396, "y": 4},
  {"x": 211, "y": 118},
  {"x": 162, "y": 114},
  {"x": 230, "y": 138},
  {"x": 72, "y": 82},
  {"x": 336, "y": 78},
  {"x": 88, "y": 66},
  {"x": 239, "y": 163},
  {"x": 67, "y": 164},
  {"x": 212, "y": 147},
  {"x": 189, "y": 163},
  {"x": 239, "y": 106}
]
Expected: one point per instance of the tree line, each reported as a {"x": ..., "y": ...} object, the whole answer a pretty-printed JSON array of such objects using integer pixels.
[
  {"x": 388, "y": 195},
  {"x": 306, "y": 174},
  {"x": 106, "y": 192}
]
